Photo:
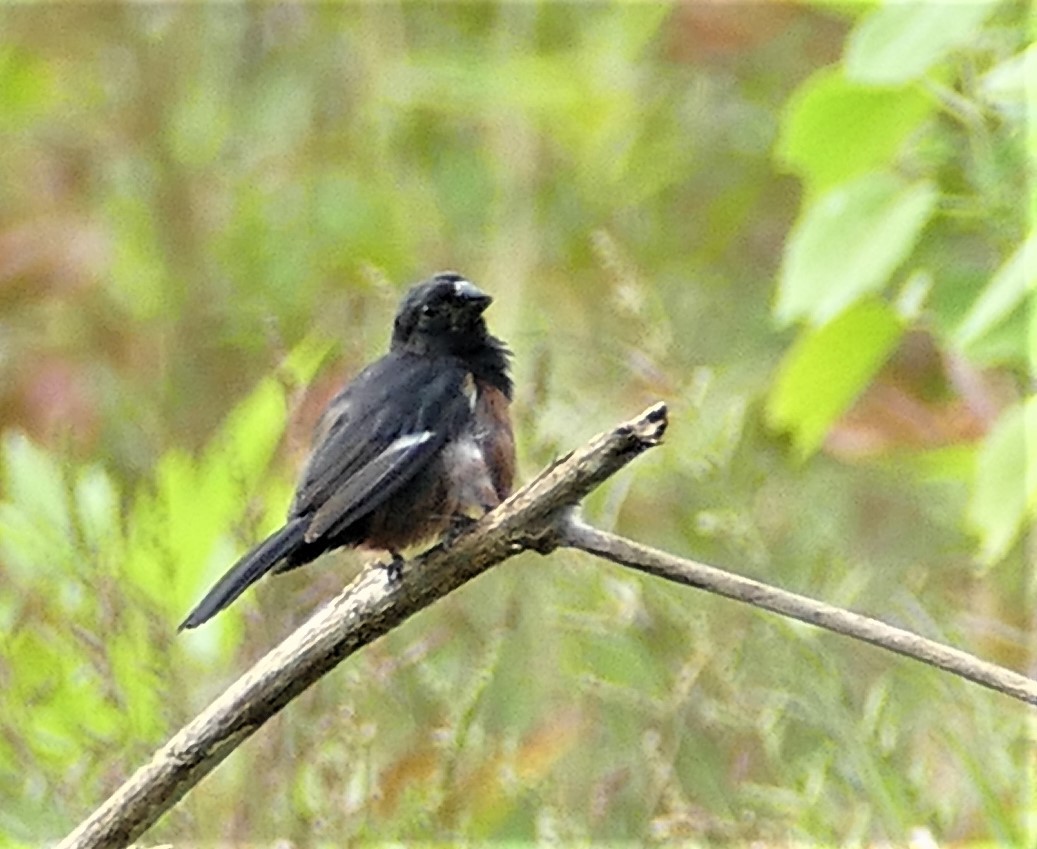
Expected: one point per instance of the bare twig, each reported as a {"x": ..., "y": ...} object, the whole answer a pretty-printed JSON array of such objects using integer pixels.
[
  {"x": 541, "y": 517},
  {"x": 573, "y": 532}
]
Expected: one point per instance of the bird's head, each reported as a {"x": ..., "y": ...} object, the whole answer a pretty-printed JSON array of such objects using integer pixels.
[{"x": 441, "y": 315}]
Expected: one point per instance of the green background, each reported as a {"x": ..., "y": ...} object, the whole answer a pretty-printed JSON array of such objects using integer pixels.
[{"x": 806, "y": 227}]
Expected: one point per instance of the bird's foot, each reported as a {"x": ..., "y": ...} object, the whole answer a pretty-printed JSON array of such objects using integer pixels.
[
  {"x": 394, "y": 568},
  {"x": 459, "y": 523}
]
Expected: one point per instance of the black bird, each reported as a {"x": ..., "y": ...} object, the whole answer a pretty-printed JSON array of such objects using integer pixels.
[{"x": 418, "y": 440}]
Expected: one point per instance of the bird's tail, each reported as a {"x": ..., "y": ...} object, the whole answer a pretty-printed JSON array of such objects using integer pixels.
[{"x": 246, "y": 572}]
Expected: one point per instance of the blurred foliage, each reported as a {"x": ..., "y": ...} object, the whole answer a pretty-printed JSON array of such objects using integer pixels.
[{"x": 806, "y": 227}]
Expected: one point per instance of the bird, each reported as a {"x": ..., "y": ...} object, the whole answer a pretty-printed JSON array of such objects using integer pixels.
[{"x": 419, "y": 443}]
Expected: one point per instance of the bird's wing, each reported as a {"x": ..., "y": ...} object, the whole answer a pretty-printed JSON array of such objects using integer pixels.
[{"x": 378, "y": 433}]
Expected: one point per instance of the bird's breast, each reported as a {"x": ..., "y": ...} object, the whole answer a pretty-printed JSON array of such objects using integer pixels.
[{"x": 492, "y": 432}]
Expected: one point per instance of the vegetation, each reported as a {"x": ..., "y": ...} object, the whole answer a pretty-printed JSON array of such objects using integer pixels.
[{"x": 807, "y": 227}]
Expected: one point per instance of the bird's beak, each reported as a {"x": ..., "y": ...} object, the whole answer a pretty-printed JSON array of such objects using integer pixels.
[{"x": 472, "y": 295}]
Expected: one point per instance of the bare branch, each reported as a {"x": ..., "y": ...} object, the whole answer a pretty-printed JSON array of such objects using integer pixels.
[
  {"x": 573, "y": 532},
  {"x": 366, "y": 609},
  {"x": 541, "y": 516}
]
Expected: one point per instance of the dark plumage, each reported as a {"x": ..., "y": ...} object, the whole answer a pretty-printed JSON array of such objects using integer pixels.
[{"x": 419, "y": 438}]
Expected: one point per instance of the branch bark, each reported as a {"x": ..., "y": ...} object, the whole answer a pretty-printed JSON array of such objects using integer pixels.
[{"x": 541, "y": 516}]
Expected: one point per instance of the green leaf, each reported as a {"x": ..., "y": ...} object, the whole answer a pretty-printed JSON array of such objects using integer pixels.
[
  {"x": 1006, "y": 85},
  {"x": 826, "y": 369},
  {"x": 181, "y": 531},
  {"x": 949, "y": 463},
  {"x": 34, "y": 480},
  {"x": 900, "y": 42},
  {"x": 98, "y": 511},
  {"x": 848, "y": 243},
  {"x": 834, "y": 129},
  {"x": 1005, "y": 291},
  {"x": 1005, "y": 490},
  {"x": 35, "y": 521}
]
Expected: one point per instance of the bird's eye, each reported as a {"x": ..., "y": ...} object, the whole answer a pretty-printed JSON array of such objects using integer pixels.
[{"x": 426, "y": 310}]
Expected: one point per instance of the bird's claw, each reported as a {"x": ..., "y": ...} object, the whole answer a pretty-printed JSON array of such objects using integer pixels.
[
  {"x": 459, "y": 523},
  {"x": 394, "y": 568}
]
